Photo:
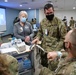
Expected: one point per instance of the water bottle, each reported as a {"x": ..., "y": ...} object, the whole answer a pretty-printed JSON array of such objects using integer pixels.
[{"x": 13, "y": 41}]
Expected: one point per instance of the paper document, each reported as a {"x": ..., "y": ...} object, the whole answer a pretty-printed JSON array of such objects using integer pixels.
[
  {"x": 21, "y": 44},
  {"x": 22, "y": 47},
  {"x": 7, "y": 50}
]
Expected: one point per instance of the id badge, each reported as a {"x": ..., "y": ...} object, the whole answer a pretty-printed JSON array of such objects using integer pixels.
[
  {"x": 46, "y": 32},
  {"x": 21, "y": 29}
]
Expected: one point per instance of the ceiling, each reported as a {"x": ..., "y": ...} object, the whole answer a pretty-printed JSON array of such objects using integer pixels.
[{"x": 37, "y": 4}]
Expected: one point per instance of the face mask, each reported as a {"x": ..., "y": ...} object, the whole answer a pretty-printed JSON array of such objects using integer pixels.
[
  {"x": 64, "y": 46},
  {"x": 50, "y": 17},
  {"x": 23, "y": 20}
]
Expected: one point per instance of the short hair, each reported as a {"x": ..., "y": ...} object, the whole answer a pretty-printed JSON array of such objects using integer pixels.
[
  {"x": 24, "y": 13},
  {"x": 71, "y": 17},
  {"x": 47, "y": 6}
]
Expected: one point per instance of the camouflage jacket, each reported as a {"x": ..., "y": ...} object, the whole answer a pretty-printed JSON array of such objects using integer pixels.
[
  {"x": 9, "y": 64},
  {"x": 72, "y": 23},
  {"x": 52, "y": 33},
  {"x": 65, "y": 67}
]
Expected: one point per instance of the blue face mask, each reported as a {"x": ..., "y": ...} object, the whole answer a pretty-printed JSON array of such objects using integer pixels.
[{"x": 23, "y": 19}]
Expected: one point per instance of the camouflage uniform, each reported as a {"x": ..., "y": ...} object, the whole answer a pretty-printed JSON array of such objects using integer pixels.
[
  {"x": 53, "y": 40},
  {"x": 65, "y": 67},
  {"x": 72, "y": 23},
  {"x": 9, "y": 64},
  {"x": 32, "y": 22},
  {"x": 55, "y": 34}
]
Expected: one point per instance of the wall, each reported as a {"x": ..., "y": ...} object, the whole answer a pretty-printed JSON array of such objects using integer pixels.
[
  {"x": 33, "y": 14},
  {"x": 10, "y": 16},
  {"x": 38, "y": 14},
  {"x": 41, "y": 15},
  {"x": 12, "y": 13},
  {"x": 67, "y": 13},
  {"x": 60, "y": 14}
]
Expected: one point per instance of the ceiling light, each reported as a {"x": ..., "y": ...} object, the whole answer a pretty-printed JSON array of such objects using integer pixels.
[
  {"x": 6, "y": 0},
  {"x": 20, "y": 5},
  {"x": 73, "y": 7},
  {"x": 29, "y": 8}
]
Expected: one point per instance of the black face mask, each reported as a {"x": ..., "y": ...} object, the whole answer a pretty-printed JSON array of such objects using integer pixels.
[
  {"x": 64, "y": 45},
  {"x": 50, "y": 17}
]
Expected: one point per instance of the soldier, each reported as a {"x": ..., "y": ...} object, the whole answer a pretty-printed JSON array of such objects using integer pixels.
[
  {"x": 65, "y": 21},
  {"x": 8, "y": 65},
  {"x": 32, "y": 21},
  {"x": 51, "y": 32},
  {"x": 71, "y": 23},
  {"x": 66, "y": 66}
]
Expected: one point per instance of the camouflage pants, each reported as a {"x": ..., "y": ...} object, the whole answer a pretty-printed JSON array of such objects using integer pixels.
[
  {"x": 44, "y": 61},
  {"x": 45, "y": 71},
  {"x": 52, "y": 65}
]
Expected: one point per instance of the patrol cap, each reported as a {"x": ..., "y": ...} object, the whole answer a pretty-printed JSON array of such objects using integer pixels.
[{"x": 8, "y": 65}]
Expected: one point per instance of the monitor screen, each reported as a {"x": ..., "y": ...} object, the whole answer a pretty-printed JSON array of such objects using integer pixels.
[{"x": 2, "y": 20}]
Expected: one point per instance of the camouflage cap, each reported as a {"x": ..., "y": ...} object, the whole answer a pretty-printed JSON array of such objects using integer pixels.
[{"x": 8, "y": 65}]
